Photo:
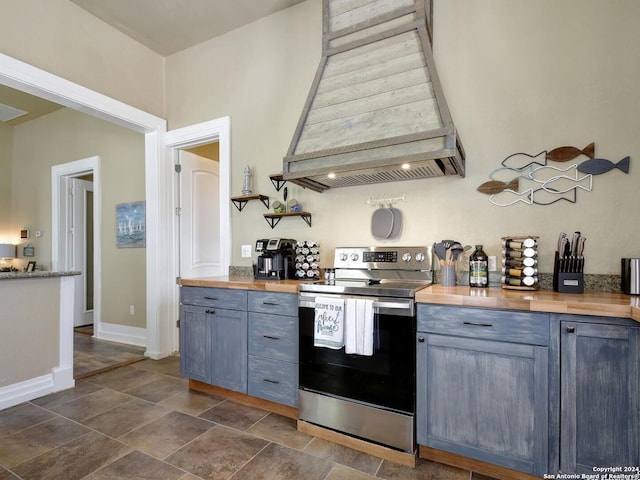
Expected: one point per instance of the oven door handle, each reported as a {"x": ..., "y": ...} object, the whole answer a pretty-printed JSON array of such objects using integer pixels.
[{"x": 377, "y": 304}]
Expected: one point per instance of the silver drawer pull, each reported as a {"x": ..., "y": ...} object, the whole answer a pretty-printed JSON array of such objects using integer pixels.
[
  {"x": 270, "y": 337},
  {"x": 475, "y": 324},
  {"x": 210, "y": 298},
  {"x": 271, "y": 304},
  {"x": 270, "y": 381}
]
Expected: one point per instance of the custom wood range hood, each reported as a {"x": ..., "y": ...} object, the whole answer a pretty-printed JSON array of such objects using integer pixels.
[{"x": 376, "y": 111}]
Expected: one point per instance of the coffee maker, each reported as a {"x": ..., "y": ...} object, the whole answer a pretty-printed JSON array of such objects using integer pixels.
[{"x": 276, "y": 259}]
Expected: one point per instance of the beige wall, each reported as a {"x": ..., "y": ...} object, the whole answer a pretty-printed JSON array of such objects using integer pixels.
[
  {"x": 65, "y": 136},
  {"x": 61, "y": 38},
  {"x": 519, "y": 76},
  {"x": 30, "y": 328},
  {"x": 6, "y": 133}
]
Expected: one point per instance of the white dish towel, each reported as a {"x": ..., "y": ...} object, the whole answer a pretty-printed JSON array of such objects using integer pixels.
[
  {"x": 328, "y": 326},
  {"x": 359, "y": 327}
]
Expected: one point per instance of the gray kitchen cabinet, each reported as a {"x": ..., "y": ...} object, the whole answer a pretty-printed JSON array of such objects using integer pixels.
[
  {"x": 599, "y": 394},
  {"x": 195, "y": 343},
  {"x": 229, "y": 349},
  {"x": 273, "y": 347},
  {"x": 213, "y": 336},
  {"x": 482, "y": 385}
]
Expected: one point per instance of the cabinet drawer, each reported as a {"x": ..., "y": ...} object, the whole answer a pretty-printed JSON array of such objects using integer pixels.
[
  {"x": 274, "y": 302},
  {"x": 273, "y": 380},
  {"x": 502, "y": 325},
  {"x": 214, "y": 297},
  {"x": 273, "y": 336}
]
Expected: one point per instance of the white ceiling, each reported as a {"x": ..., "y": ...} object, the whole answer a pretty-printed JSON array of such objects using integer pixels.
[{"x": 169, "y": 26}]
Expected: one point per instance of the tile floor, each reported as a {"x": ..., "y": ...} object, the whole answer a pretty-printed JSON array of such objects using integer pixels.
[
  {"x": 142, "y": 422},
  {"x": 91, "y": 355}
]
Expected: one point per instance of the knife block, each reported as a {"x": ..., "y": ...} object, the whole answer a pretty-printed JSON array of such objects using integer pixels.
[{"x": 566, "y": 282}]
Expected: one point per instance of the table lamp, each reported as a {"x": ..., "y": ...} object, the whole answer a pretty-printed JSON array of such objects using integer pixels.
[{"x": 7, "y": 252}]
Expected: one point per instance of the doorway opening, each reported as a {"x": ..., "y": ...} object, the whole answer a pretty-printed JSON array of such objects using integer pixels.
[
  {"x": 183, "y": 144},
  {"x": 76, "y": 222}
]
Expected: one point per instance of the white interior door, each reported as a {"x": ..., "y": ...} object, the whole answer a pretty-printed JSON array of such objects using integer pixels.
[
  {"x": 200, "y": 244},
  {"x": 81, "y": 232}
]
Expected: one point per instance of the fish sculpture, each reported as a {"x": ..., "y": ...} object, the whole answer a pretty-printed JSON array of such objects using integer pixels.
[
  {"x": 523, "y": 161},
  {"x": 495, "y": 186},
  {"x": 565, "y": 154},
  {"x": 563, "y": 184},
  {"x": 597, "y": 166},
  {"x": 506, "y": 174},
  {"x": 507, "y": 198},
  {"x": 545, "y": 197}
]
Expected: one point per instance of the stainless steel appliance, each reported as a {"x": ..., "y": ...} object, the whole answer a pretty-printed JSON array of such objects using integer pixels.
[
  {"x": 630, "y": 276},
  {"x": 370, "y": 397},
  {"x": 275, "y": 260}
]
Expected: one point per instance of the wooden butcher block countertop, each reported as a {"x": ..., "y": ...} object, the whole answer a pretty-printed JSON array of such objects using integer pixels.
[
  {"x": 243, "y": 283},
  {"x": 591, "y": 303}
]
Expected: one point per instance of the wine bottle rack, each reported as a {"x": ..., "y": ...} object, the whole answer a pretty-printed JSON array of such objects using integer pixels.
[{"x": 520, "y": 263}]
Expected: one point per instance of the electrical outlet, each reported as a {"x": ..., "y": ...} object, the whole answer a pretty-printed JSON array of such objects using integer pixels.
[
  {"x": 132, "y": 310},
  {"x": 246, "y": 251},
  {"x": 492, "y": 263}
]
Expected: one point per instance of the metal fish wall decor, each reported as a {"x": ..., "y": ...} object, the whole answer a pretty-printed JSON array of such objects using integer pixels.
[{"x": 530, "y": 179}]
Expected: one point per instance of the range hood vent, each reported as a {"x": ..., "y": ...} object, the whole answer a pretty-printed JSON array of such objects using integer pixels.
[{"x": 376, "y": 111}]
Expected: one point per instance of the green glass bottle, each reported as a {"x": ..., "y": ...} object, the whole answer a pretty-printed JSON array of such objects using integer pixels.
[{"x": 478, "y": 268}]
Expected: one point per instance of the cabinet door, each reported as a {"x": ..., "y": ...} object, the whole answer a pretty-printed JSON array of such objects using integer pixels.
[
  {"x": 484, "y": 399},
  {"x": 229, "y": 349},
  {"x": 599, "y": 412},
  {"x": 195, "y": 343}
]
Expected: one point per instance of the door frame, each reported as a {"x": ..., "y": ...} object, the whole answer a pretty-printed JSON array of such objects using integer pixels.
[
  {"x": 61, "y": 176},
  {"x": 217, "y": 130},
  {"x": 160, "y": 269}
]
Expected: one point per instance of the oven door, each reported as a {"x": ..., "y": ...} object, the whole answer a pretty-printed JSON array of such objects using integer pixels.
[{"x": 386, "y": 379}]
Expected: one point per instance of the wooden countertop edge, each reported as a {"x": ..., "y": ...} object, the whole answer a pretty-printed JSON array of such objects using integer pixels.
[
  {"x": 243, "y": 283},
  {"x": 595, "y": 304},
  {"x": 598, "y": 304}
]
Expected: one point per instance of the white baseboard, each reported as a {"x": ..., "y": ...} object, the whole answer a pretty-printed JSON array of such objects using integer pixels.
[
  {"x": 60, "y": 378},
  {"x": 27, "y": 390},
  {"x": 122, "y": 334}
]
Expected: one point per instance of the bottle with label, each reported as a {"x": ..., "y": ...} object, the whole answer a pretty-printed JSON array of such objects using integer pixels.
[{"x": 478, "y": 268}]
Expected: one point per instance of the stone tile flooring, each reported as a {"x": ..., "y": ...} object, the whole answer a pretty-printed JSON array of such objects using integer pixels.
[
  {"x": 142, "y": 422},
  {"x": 91, "y": 355}
]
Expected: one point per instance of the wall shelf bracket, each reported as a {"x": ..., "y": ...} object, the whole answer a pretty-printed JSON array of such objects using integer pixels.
[
  {"x": 277, "y": 180},
  {"x": 274, "y": 218},
  {"x": 241, "y": 201}
]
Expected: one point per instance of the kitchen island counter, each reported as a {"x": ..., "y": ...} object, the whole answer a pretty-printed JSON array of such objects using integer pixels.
[
  {"x": 36, "y": 274},
  {"x": 591, "y": 303}
]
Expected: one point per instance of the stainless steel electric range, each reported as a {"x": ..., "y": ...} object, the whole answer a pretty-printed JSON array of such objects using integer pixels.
[{"x": 369, "y": 396}]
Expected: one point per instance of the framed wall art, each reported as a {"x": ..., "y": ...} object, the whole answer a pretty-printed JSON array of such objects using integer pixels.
[{"x": 130, "y": 225}]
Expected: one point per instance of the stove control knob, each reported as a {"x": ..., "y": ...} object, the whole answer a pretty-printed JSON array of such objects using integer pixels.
[
  {"x": 419, "y": 257},
  {"x": 343, "y": 257},
  {"x": 354, "y": 257},
  {"x": 406, "y": 257}
]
